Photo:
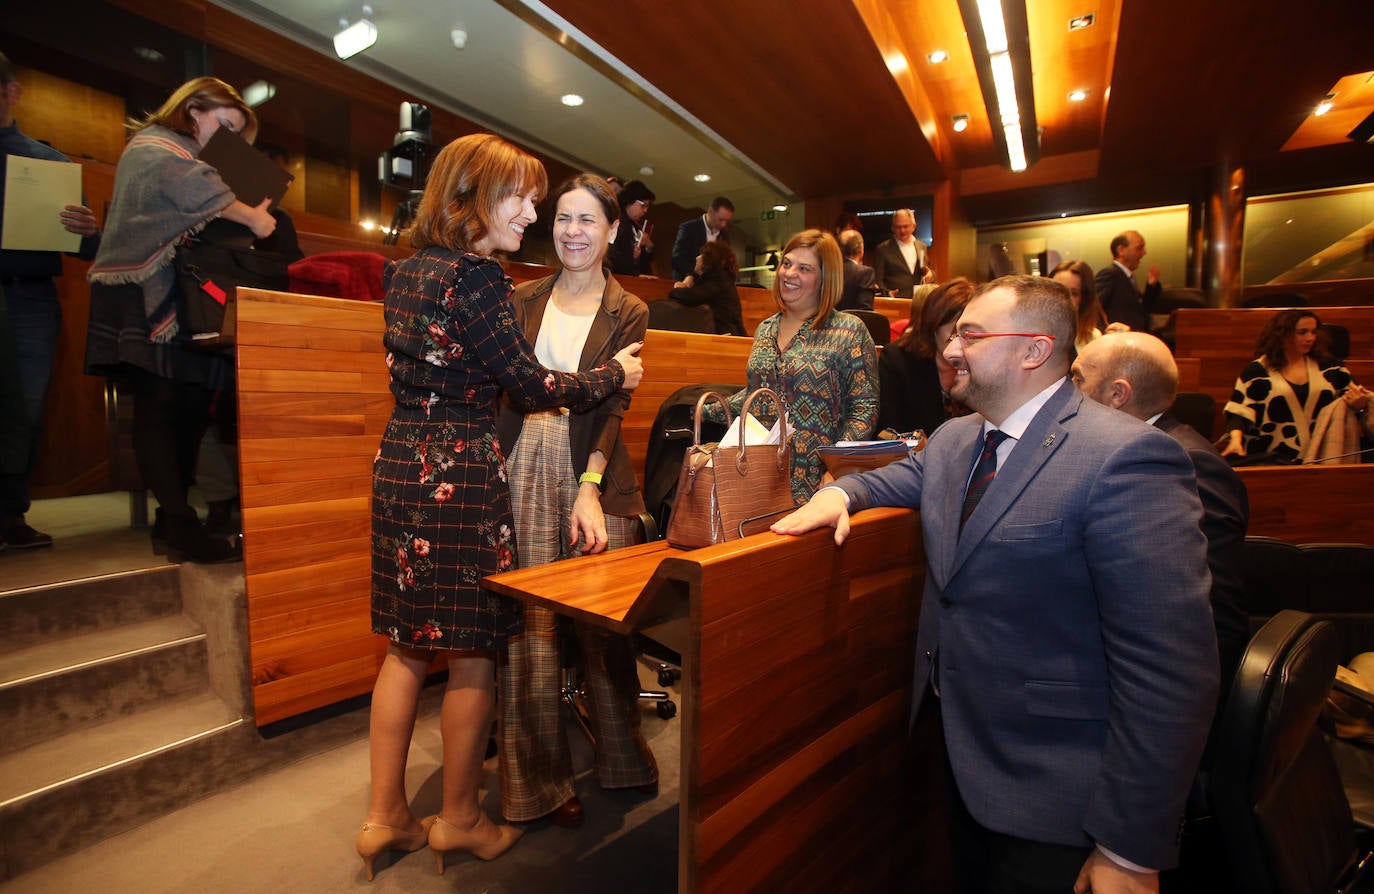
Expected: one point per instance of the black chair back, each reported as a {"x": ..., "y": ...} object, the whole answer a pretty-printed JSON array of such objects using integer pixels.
[
  {"x": 669, "y": 315},
  {"x": 879, "y": 326},
  {"x": 1274, "y": 786},
  {"x": 1337, "y": 340},
  {"x": 1277, "y": 299}
]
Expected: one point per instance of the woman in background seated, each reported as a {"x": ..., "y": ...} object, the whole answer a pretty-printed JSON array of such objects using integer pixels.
[
  {"x": 441, "y": 508},
  {"x": 574, "y": 492},
  {"x": 913, "y": 376},
  {"x": 163, "y": 193},
  {"x": 1077, "y": 277},
  {"x": 713, "y": 284},
  {"x": 1279, "y": 394},
  {"x": 820, "y": 361}
]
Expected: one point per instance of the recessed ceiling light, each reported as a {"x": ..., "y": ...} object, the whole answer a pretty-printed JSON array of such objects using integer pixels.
[
  {"x": 368, "y": 224},
  {"x": 572, "y": 100},
  {"x": 1078, "y": 95},
  {"x": 148, "y": 54},
  {"x": 937, "y": 57},
  {"x": 960, "y": 123},
  {"x": 1325, "y": 105},
  {"x": 702, "y": 178},
  {"x": 646, "y": 171},
  {"x": 1078, "y": 23},
  {"x": 355, "y": 38},
  {"x": 779, "y": 207}
]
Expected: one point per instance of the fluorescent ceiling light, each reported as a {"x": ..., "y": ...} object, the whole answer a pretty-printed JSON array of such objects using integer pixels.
[
  {"x": 994, "y": 28},
  {"x": 1005, "y": 84},
  {"x": 355, "y": 38},
  {"x": 258, "y": 92},
  {"x": 1016, "y": 151},
  {"x": 779, "y": 207}
]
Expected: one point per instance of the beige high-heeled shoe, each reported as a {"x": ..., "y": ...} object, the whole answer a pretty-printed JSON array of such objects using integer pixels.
[
  {"x": 376, "y": 839},
  {"x": 444, "y": 838}
]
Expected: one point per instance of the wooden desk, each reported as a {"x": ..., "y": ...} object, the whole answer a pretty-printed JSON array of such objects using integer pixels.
[
  {"x": 796, "y": 686},
  {"x": 1311, "y": 504}
]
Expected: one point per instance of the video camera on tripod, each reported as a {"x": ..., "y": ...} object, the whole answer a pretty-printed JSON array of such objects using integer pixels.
[{"x": 405, "y": 166}]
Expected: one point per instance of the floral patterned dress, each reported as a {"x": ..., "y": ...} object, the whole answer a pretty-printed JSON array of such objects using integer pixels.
[{"x": 441, "y": 509}]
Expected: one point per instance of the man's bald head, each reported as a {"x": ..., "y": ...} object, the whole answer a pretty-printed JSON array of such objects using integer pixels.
[{"x": 1131, "y": 371}]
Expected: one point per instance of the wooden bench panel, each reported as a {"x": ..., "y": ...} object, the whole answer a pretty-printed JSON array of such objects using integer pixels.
[
  {"x": 314, "y": 399},
  {"x": 1311, "y": 504}
]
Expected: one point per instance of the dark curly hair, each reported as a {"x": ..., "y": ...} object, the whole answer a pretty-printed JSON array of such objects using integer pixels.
[
  {"x": 718, "y": 256},
  {"x": 1273, "y": 338}
]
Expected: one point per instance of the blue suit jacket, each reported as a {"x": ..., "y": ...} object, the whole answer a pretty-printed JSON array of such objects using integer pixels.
[
  {"x": 691, "y": 236},
  {"x": 1068, "y": 627}
]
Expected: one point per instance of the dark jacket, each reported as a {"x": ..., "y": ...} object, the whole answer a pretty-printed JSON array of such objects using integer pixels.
[
  {"x": 860, "y": 284},
  {"x": 1120, "y": 300},
  {"x": 622, "y": 253},
  {"x": 717, "y": 291},
  {"x": 622, "y": 320}
]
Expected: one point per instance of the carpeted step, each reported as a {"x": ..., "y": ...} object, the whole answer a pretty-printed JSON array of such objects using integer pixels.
[{"x": 32, "y": 616}]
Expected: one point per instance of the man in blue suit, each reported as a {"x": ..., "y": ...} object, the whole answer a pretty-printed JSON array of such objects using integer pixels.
[{"x": 1065, "y": 635}]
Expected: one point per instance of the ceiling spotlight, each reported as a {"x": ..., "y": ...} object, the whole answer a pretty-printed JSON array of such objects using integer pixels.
[
  {"x": 1078, "y": 23},
  {"x": 960, "y": 123},
  {"x": 646, "y": 171},
  {"x": 355, "y": 38},
  {"x": 368, "y": 224},
  {"x": 148, "y": 54},
  {"x": 258, "y": 92},
  {"x": 459, "y": 38},
  {"x": 896, "y": 62},
  {"x": 937, "y": 57},
  {"x": 1325, "y": 105},
  {"x": 779, "y": 207},
  {"x": 702, "y": 178},
  {"x": 572, "y": 100},
  {"x": 1078, "y": 95}
]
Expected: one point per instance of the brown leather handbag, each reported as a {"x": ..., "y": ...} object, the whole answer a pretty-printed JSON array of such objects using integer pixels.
[{"x": 743, "y": 489}]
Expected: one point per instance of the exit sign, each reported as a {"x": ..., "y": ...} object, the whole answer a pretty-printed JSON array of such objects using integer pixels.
[{"x": 767, "y": 215}]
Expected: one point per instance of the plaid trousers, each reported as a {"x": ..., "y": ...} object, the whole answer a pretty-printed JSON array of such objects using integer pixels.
[{"x": 536, "y": 766}]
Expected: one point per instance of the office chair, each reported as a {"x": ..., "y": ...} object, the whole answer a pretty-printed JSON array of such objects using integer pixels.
[
  {"x": 879, "y": 326},
  {"x": 572, "y": 690},
  {"x": 1280, "y": 807}
]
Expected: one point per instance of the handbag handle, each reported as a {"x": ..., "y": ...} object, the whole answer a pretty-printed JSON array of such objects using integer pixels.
[
  {"x": 741, "y": 464},
  {"x": 696, "y": 416}
]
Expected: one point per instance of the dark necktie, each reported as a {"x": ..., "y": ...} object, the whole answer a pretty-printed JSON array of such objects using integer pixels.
[{"x": 983, "y": 474}]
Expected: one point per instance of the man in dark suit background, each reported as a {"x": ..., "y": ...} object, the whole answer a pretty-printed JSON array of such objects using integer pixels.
[
  {"x": 902, "y": 261},
  {"x": 693, "y": 234},
  {"x": 1116, "y": 283},
  {"x": 1065, "y": 637},
  {"x": 1135, "y": 373},
  {"x": 859, "y": 282}
]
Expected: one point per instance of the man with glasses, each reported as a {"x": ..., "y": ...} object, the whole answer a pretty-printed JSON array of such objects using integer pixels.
[
  {"x": 1065, "y": 641},
  {"x": 35, "y": 322},
  {"x": 902, "y": 261}
]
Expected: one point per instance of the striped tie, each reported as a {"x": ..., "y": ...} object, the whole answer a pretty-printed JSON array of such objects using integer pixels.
[{"x": 983, "y": 474}]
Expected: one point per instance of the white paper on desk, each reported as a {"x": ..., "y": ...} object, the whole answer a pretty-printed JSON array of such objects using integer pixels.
[
  {"x": 36, "y": 191},
  {"x": 754, "y": 433}
]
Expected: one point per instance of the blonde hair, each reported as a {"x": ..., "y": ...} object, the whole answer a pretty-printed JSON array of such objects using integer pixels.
[
  {"x": 200, "y": 94},
  {"x": 832, "y": 270},
  {"x": 468, "y": 179}
]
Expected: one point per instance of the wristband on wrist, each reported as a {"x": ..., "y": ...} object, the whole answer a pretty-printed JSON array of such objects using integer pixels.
[{"x": 590, "y": 478}]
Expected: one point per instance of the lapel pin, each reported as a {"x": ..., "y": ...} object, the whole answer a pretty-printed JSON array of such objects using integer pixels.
[{"x": 1047, "y": 442}]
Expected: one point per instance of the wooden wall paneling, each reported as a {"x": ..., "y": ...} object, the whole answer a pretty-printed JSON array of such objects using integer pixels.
[{"x": 1311, "y": 504}]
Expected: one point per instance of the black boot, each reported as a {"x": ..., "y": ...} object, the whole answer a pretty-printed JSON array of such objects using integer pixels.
[
  {"x": 188, "y": 541},
  {"x": 219, "y": 521}
]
